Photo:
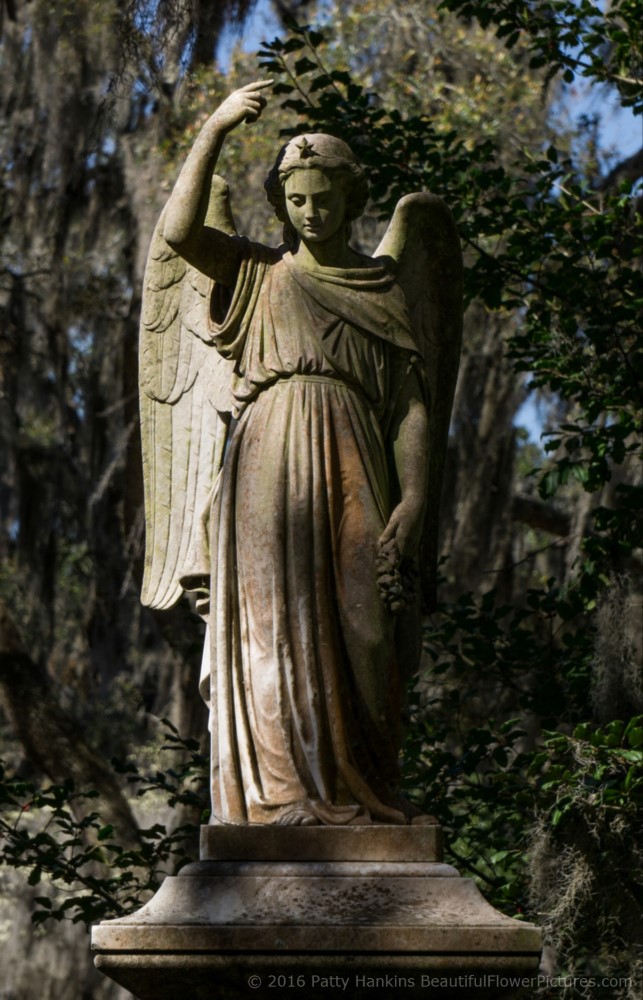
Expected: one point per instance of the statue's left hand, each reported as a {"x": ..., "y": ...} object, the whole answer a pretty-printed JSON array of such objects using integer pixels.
[{"x": 405, "y": 526}]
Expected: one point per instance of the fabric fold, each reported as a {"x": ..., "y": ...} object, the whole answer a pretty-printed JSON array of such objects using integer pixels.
[{"x": 305, "y": 699}]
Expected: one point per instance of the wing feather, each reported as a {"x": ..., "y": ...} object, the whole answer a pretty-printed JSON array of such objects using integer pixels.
[
  {"x": 423, "y": 246},
  {"x": 183, "y": 436}
]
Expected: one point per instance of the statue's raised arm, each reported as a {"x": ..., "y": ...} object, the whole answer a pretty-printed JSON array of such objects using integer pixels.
[
  {"x": 294, "y": 429},
  {"x": 186, "y": 227},
  {"x": 185, "y": 400}
]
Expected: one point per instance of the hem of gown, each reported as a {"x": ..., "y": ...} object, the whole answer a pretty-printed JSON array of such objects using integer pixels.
[{"x": 315, "y": 812}]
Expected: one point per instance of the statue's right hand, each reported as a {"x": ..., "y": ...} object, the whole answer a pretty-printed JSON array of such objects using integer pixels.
[{"x": 243, "y": 105}]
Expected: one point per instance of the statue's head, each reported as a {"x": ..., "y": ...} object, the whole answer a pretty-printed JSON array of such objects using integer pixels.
[{"x": 328, "y": 156}]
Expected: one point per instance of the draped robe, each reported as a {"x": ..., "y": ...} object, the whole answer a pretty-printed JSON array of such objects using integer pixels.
[{"x": 303, "y": 684}]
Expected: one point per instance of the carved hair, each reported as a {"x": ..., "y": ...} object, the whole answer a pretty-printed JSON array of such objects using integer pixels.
[{"x": 317, "y": 151}]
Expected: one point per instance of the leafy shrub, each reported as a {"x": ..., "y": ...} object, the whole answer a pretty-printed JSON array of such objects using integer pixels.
[{"x": 55, "y": 835}]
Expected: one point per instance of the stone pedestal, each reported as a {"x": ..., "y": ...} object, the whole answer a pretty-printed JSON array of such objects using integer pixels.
[{"x": 318, "y": 912}]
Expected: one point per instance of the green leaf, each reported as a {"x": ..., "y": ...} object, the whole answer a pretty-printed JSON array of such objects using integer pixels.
[
  {"x": 580, "y": 473},
  {"x": 305, "y": 65},
  {"x": 320, "y": 83},
  {"x": 549, "y": 484},
  {"x": 316, "y": 38},
  {"x": 291, "y": 23},
  {"x": 294, "y": 44},
  {"x": 629, "y": 778},
  {"x": 635, "y": 737},
  {"x": 271, "y": 65},
  {"x": 35, "y": 876}
]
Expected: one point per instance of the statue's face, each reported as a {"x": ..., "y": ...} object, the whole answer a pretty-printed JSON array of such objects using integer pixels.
[{"x": 316, "y": 204}]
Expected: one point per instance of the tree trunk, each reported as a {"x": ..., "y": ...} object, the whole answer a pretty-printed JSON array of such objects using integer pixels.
[{"x": 52, "y": 740}]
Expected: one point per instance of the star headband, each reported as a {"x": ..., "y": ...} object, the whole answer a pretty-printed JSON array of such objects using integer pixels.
[{"x": 315, "y": 150}]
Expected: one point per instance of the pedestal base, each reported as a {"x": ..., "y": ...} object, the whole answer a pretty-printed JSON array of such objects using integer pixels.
[{"x": 317, "y": 912}]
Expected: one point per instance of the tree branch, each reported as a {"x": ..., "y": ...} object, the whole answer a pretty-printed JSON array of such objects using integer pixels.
[
  {"x": 541, "y": 515},
  {"x": 627, "y": 170}
]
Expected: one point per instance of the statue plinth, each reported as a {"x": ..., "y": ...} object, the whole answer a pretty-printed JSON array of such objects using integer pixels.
[{"x": 315, "y": 910}]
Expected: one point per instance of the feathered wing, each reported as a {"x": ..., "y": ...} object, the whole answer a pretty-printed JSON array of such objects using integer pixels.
[
  {"x": 423, "y": 243},
  {"x": 184, "y": 400}
]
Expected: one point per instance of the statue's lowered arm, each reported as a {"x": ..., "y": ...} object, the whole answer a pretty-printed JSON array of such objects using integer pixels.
[{"x": 422, "y": 245}]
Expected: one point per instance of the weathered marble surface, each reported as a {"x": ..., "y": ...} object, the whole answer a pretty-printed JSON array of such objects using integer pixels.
[
  {"x": 295, "y": 405},
  {"x": 219, "y": 923},
  {"x": 357, "y": 843}
]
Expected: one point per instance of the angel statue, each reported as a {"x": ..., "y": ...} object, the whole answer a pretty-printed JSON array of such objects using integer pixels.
[{"x": 295, "y": 405}]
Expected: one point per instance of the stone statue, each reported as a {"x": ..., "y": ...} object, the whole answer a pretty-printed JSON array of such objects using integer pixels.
[{"x": 295, "y": 405}]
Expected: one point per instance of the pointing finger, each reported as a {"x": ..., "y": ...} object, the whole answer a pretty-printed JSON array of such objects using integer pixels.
[{"x": 258, "y": 85}]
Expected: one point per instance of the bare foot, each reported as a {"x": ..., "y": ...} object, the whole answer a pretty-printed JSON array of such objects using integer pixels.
[{"x": 298, "y": 816}]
